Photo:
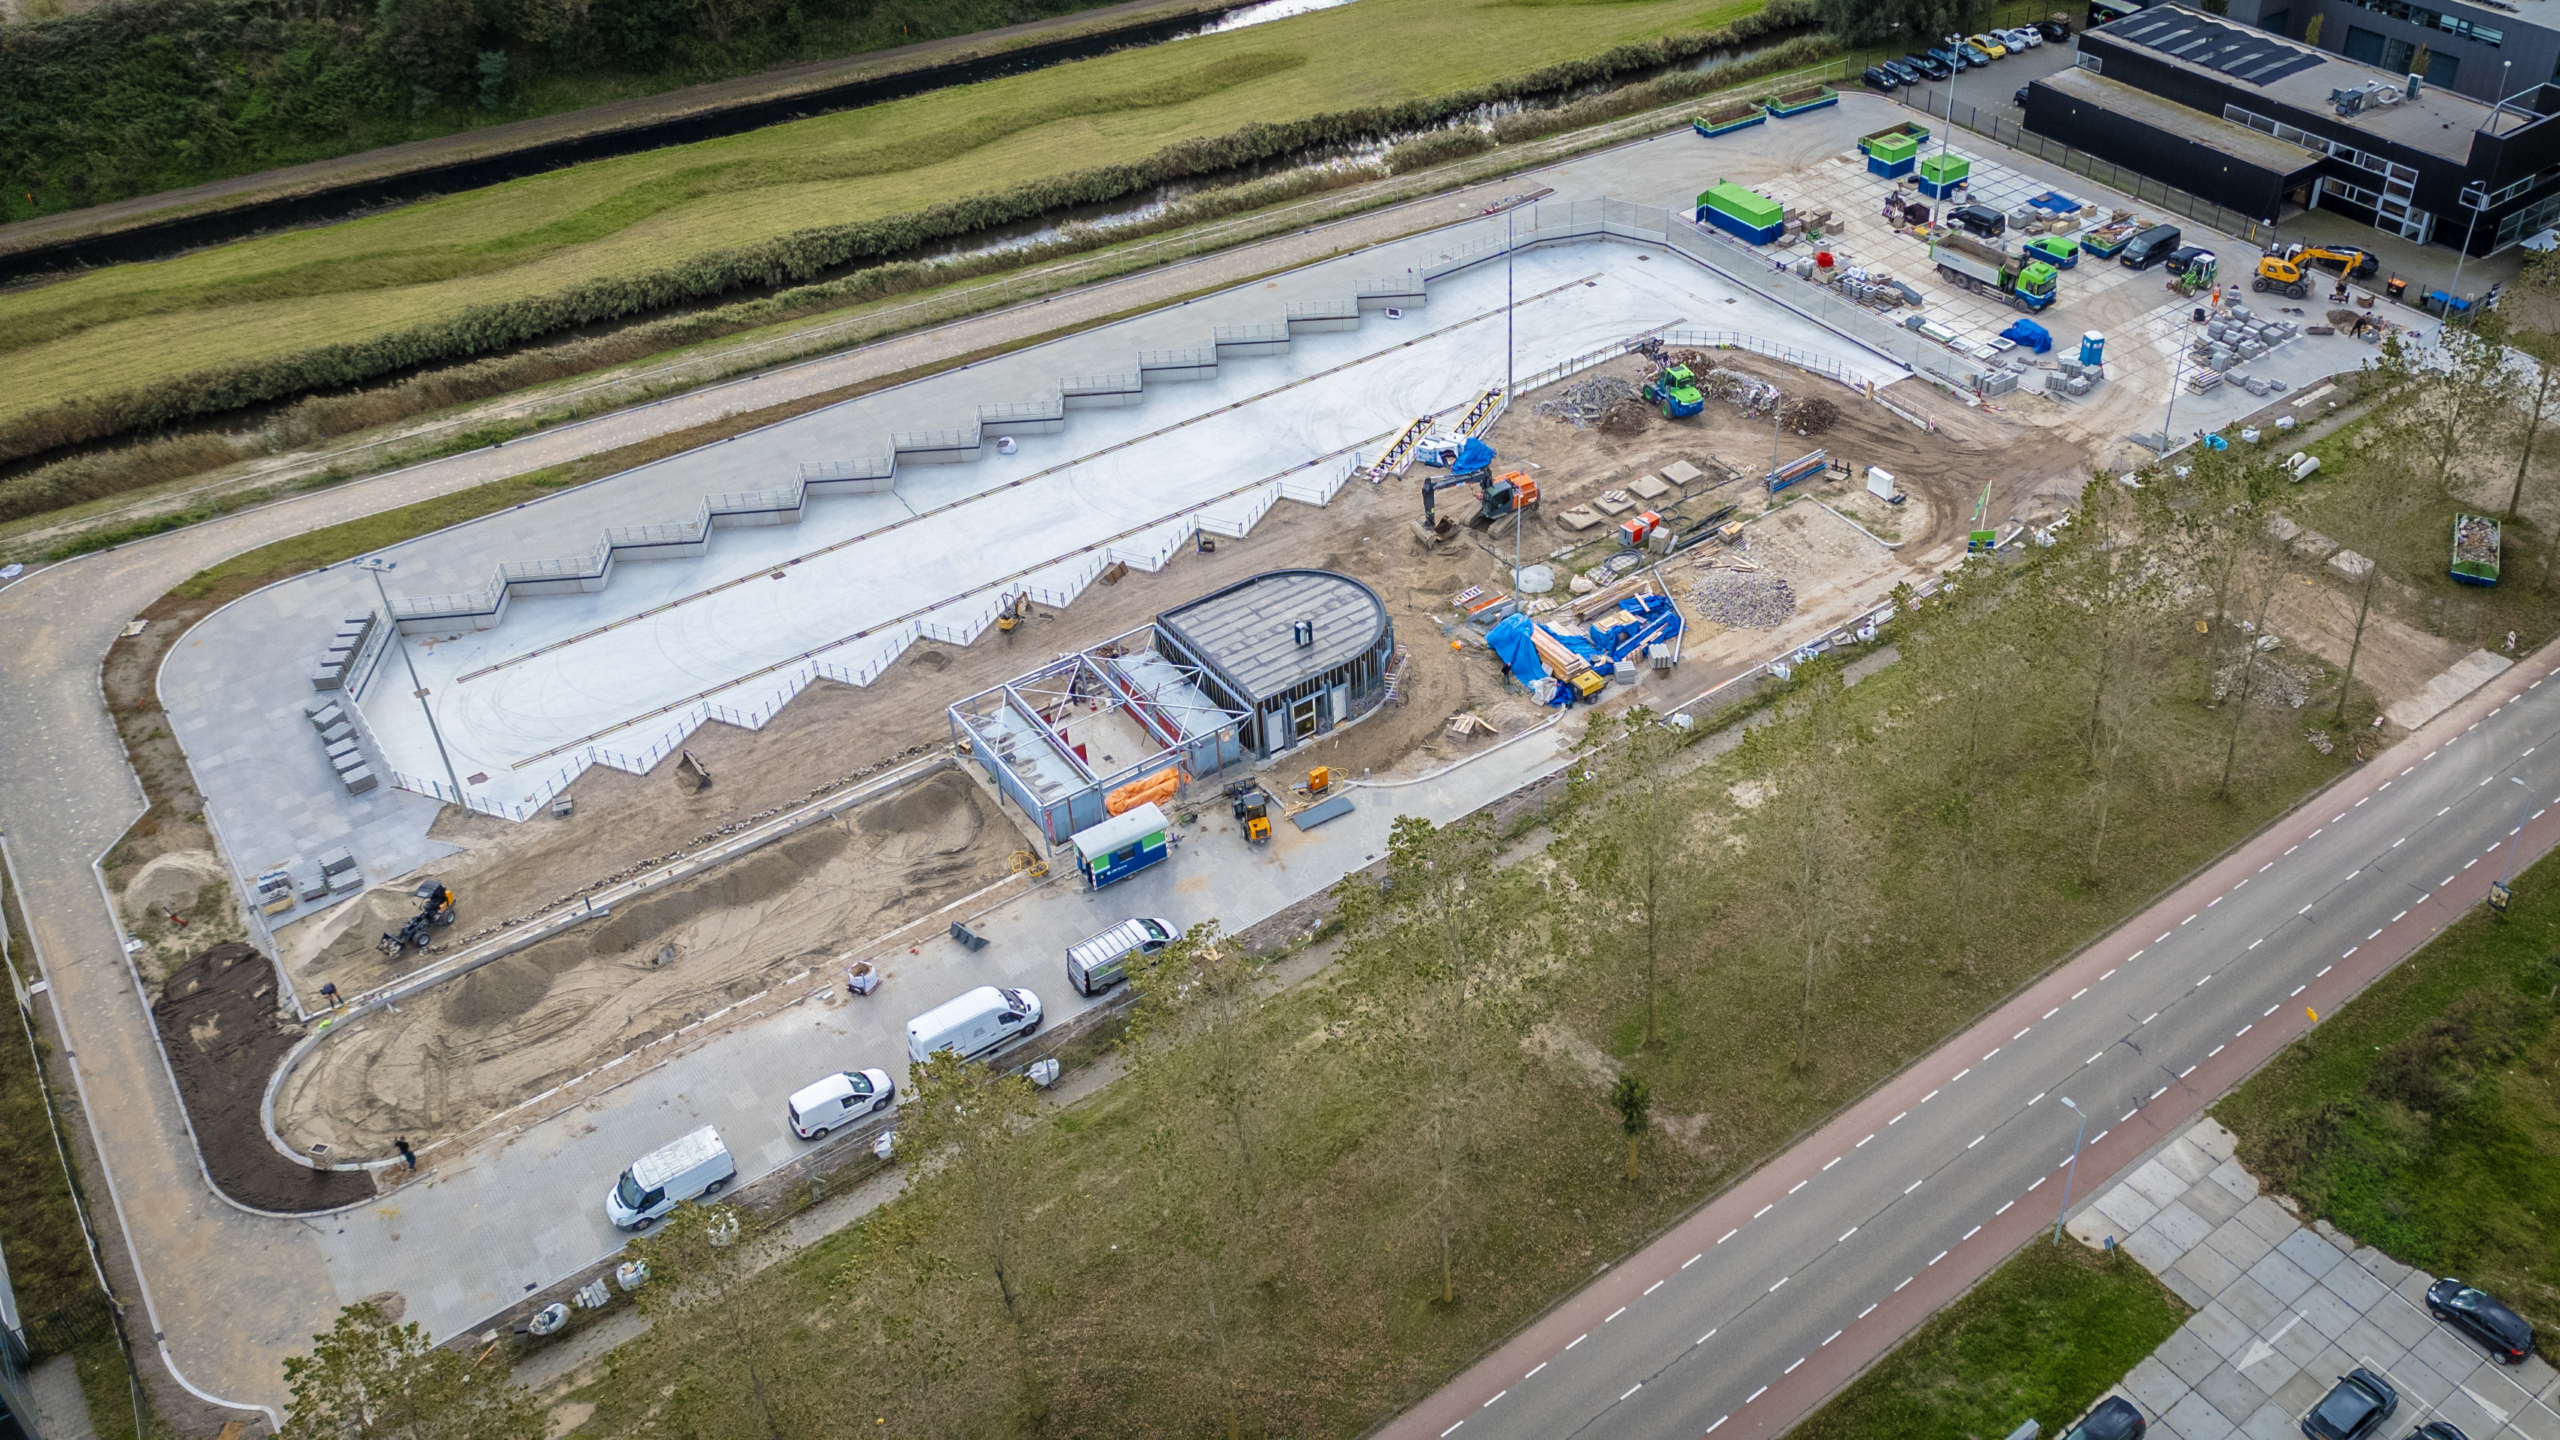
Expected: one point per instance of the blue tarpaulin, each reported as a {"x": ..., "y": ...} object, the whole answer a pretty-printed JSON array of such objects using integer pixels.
[
  {"x": 2030, "y": 334},
  {"x": 1651, "y": 619},
  {"x": 1510, "y": 641},
  {"x": 1473, "y": 456}
]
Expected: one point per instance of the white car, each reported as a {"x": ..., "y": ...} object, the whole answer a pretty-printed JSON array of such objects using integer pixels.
[
  {"x": 2025, "y": 37},
  {"x": 840, "y": 1099}
]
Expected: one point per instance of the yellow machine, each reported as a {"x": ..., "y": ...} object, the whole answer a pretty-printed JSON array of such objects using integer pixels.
[
  {"x": 2291, "y": 271},
  {"x": 1320, "y": 779},
  {"x": 1012, "y": 612},
  {"x": 1253, "y": 810}
]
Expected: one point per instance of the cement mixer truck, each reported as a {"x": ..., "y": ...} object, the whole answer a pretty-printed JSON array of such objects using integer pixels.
[{"x": 1984, "y": 268}]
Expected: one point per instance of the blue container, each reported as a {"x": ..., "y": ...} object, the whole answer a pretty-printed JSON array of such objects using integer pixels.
[
  {"x": 2093, "y": 348},
  {"x": 1936, "y": 191},
  {"x": 1893, "y": 170}
]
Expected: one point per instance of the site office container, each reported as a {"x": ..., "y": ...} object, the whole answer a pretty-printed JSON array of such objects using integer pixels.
[{"x": 1121, "y": 846}]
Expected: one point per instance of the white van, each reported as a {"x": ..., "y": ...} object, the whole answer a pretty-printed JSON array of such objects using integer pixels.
[
  {"x": 840, "y": 1099},
  {"x": 976, "y": 1025},
  {"x": 1096, "y": 965},
  {"x": 680, "y": 1170}
]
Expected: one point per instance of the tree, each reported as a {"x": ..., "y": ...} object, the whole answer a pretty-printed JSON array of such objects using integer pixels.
[
  {"x": 963, "y": 1116},
  {"x": 1202, "y": 1055},
  {"x": 695, "y": 1264},
  {"x": 2407, "y": 433},
  {"x": 1436, "y": 998},
  {"x": 369, "y": 1379},
  {"x": 1632, "y": 1098},
  {"x": 1631, "y": 853},
  {"x": 1915, "y": 23},
  {"x": 2207, "y": 514},
  {"x": 1805, "y": 830},
  {"x": 2533, "y": 303}
]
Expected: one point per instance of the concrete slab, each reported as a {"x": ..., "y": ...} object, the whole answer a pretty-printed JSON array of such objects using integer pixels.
[
  {"x": 2449, "y": 1355},
  {"x": 2314, "y": 1256},
  {"x": 2179, "y": 1284},
  {"x": 2196, "y": 1418},
  {"x": 2181, "y": 1226},
  {"x": 2237, "y": 1181},
  {"x": 2127, "y": 1208},
  {"x": 2380, "y": 1266},
  {"x": 2249, "y": 1302},
  {"x": 2188, "y": 1357},
  {"x": 2299, "y": 1341},
  {"x": 2232, "y": 1394},
  {"x": 2267, "y": 1218},
  {"x": 2372, "y": 1346},
  {"x": 2154, "y": 1386},
  {"x": 2468, "y": 1414},
  {"x": 2400, "y": 1321},
  {"x": 2210, "y": 1200},
  {"x": 2283, "y": 1279},
  {"x": 2156, "y": 1183},
  {"x": 2234, "y": 1240},
  {"x": 2156, "y": 1248},
  {"x": 2270, "y": 1421},
  {"x": 2213, "y": 1138},
  {"x": 2418, "y": 1382},
  {"x": 2220, "y": 1331},
  {"x": 2181, "y": 1158},
  {"x": 2302, "y": 1392},
  {"x": 2354, "y": 1285},
  {"x": 2322, "y": 1307}
]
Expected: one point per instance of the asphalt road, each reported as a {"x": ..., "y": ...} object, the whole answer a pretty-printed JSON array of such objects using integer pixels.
[{"x": 1747, "y": 1315}]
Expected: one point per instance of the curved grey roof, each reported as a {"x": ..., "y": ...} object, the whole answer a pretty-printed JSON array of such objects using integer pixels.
[{"x": 1244, "y": 631}]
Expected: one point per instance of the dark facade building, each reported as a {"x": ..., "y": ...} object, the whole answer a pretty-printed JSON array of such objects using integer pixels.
[
  {"x": 2265, "y": 125},
  {"x": 1298, "y": 651}
]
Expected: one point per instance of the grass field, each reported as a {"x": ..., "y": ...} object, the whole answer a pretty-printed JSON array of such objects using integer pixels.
[
  {"x": 2424, "y": 1117},
  {"x": 2041, "y": 1338},
  {"x": 131, "y": 325}
]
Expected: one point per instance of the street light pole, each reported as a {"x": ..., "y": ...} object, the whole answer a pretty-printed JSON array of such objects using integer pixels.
[
  {"x": 2073, "y": 1173},
  {"x": 2177, "y": 372},
  {"x": 376, "y": 566},
  {"x": 1510, "y": 365}
]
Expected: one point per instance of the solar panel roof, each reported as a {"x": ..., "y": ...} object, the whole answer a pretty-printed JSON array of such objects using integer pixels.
[{"x": 2238, "y": 51}]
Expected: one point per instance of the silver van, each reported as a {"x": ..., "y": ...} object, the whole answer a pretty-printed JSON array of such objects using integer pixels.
[
  {"x": 1096, "y": 964},
  {"x": 680, "y": 1170},
  {"x": 974, "y": 1025}
]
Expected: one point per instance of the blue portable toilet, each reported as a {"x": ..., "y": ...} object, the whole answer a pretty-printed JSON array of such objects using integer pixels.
[
  {"x": 2093, "y": 348},
  {"x": 1120, "y": 846}
]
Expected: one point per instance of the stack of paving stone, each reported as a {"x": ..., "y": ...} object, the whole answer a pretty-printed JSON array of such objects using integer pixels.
[
  {"x": 345, "y": 648},
  {"x": 338, "y": 738}
]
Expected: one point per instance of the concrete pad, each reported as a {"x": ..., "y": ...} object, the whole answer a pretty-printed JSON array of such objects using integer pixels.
[
  {"x": 2218, "y": 1329},
  {"x": 2154, "y": 1386},
  {"x": 62, "y": 1408},
  {"x": 2156, "y": 1248},
  {"x": 2250, "y": 1304},
  {"x": 2266, "y": 1368},
  {"x": 2300, "y": 1341},
  {"x": 2214, "y": 1139},
  {"x": 2315, "y": 1256},
  {"x": 2129, "y": 1208},
  {"x": 2372, "y": 1346},
  {"x": 2350, "y": 1282},
  {"x": 2380, "y": 1266},
  {"x": 2535, "y": 1376},
  {"x": 2184, "y": 1160},
  {"x": 2195, "y": 1295},
  {"x": 2400, "y": 1321},
  {"x": 2339, "y": 1240},
  {"x": 2209, "y": 1268},
  {"x": 2233, "y": 1178},
  {"x": 2157, "y": 1183},
  {"x": 2332, "y": 1316},
  {"x": 2468, "y": 1414},
  {"x": 2413, "y": 1287},
  {"x": 2534, "y": 1422},
  {"x": 2182, "y": 1226},
  {"x": 2268, "y": 1218},
  {"x": 2270, "y": 1422},
  {"x": 2439, "y": 695},
  {"x": 2419, "y": 1382},
  {"x": 2188, "y": 1357},
  {"x": 2210, "y": 1200},
  {"x": 2449, "y": 1355},
  {"x": 2283, "y": 1279},
  {"x": 2196, "y": 1418},
  {"x": 2236, "y": 1241},
  {"x": 2232, "y": 1394}
]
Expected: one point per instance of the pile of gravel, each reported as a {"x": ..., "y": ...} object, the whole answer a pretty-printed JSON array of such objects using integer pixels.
[
  {"x": 1585, "y": 401},
  {"x": 1743, "y": 599},
  {"x": 1808, "y": 415}
]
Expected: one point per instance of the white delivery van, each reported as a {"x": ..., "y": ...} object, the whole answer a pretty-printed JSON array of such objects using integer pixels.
[
  {"x": 976, "y": 1025},
  {"x": 680, "y": 1170},
  {"x": 840, "y": 1100},
  {"x": 1096, "y": 965}
]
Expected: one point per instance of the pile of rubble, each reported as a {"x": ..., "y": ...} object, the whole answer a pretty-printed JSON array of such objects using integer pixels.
[
  {"x": 1808, "y": 415},
  {"x": 2274, "y": 683},
  {"x": 1744, "y": 599},
  {"x": 1627, "y": 417},
  {"x": 1584, "y": 402},
  {"x": 1755, "y": 398}
]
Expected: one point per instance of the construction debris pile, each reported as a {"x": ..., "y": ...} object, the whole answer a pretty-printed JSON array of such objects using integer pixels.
[
  {"x": 2273, "y": 682},
  {"x": 1585, "y": 402},
  {"x": 1755, "y": 398},
  {"x": 2475, "y": 540},
  {"x": 1808, "y": 415},
  {"x": 1627, "y": 417},
  {"x": 1745, "y": 598}
]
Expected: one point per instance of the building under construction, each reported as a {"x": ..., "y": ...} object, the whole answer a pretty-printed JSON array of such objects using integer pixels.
[{"x": 1242, "y": 673}]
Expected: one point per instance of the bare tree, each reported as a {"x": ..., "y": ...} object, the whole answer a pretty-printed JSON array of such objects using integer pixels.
[
  {"x": 1631, "y": 853},
  {"x": 1436, "y": 994},
  {"x": 963, "y": 1115},
  {"x": 369, "y": 1379},
  {"x": 2407, "y": 434}
]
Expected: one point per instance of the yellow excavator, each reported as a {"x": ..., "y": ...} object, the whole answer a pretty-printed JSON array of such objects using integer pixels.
[
  {"x": 1014, "y": 610},
  {"x": 2290, "y": 272}
]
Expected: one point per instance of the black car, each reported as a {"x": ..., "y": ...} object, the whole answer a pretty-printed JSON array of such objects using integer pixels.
[
  {"x": 2508, "y": 1338},
  {"x": 1982, "y": 220},
  {"x": 1879, "y": 78},
  {"x": 2438, "y": 1430},
  {"x": 1928, "y": 65},
  {"x": 1909, "y": 73},
  {"x": 2355, "y": 1410},
  {"x": 2114, "y": 1419},
  {"x": 2020, "y": 99},
  {"x": 2054, "y": 29}
]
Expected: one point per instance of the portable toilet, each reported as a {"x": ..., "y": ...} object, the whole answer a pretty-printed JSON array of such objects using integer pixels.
[
  {"x": 1943, "y": 172},
  {"x": 1747, "y": 213},
  {"x": 1120, "y": 846},
  {"x": 1892, "y": 156},
  {"x": 2093, "y": 348}
]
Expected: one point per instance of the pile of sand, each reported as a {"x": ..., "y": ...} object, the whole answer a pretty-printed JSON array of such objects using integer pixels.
[
  {"x": 526, "y": 1022},
  {"x": 174, "y": 881}
]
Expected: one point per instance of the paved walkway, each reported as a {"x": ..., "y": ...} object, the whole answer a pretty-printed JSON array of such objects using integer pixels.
[{"x": 2284, "y": 1309}]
